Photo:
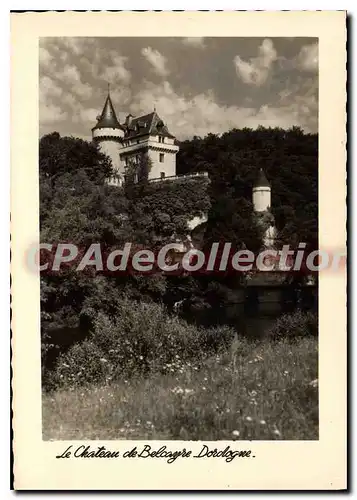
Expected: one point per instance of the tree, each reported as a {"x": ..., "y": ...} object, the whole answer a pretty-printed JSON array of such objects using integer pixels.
[
  {"x": 290, "y": 161},
  {"x": 59, "y": 155}
]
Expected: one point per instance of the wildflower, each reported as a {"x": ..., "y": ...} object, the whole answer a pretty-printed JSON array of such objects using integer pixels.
[
  {"x": 314, "y": 383},
  {"x": 286, "y": 372},
  {"x": 205, "y": 379},
  {"x": 177, "y": 390},
  {"x": 253, "y": 393},
  {"x": 141, "y": 357},
  {"x": 263, "y": 422},
  {"x": 65, "y": 365},
  {"x": 188, "y": 391},
  {"x": 276, "y": 432},
  {"x": 235, "y": 433},
  {"x": 248, "y": 419},
  {"x": 103, "y": 360}
]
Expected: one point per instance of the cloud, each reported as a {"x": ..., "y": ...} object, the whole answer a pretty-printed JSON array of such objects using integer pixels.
[
  {"x": 256, "y": 71},
  {"x": 88, "y": 115},
  {"x": 308, "y": 58},
  {"x": 49, "y": 88},
  {"x": 45, "y": 57},
  {"x": 157, "y": 60},
  {"x": 116, "y": 70},
  {"x": 301, "y": 99},
  {"x": 71, "y": 76},
  {"x": 49, "y": 111},
  {"x": 51, "y": 114},
  {"x": 194, "y": 41},
  {"x": 74, "y": 72},
  {"x": 202, "y": 114},
  {"x": 75, "y": 45}
]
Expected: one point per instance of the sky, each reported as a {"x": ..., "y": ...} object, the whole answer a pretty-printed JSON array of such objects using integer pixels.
[{"x": 197, "y": 85}]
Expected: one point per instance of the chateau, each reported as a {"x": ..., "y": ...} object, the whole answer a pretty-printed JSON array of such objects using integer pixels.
[{"x": 125, "y": 142}]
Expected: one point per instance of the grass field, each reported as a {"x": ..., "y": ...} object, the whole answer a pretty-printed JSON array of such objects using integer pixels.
[{"x": 262, "y": 391}]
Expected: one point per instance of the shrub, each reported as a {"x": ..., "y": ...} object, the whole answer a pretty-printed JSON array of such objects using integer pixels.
[
  {"x": 296, "y": 325},
  {"x": 142, "y": 338}
]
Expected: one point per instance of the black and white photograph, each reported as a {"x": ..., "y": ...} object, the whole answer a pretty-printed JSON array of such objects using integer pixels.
[
  {"x": 178, "y": 250},
  {"x": 179, "y": 148}
]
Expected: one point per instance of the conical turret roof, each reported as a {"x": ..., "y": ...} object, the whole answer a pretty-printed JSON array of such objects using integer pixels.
[
  {"x": 108, "y": 118},
  {"x": 261, "y": 180}
]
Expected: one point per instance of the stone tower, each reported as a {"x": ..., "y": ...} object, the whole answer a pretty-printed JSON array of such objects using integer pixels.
[
  {"x": 109, "y": 133},
  {"x": 125, "y": 143},
  {"x": 261, "y": 193},
  {"x": 262, "y": 204}
]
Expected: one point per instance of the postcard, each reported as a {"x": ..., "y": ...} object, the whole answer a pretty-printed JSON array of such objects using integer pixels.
[{"x": 178, "y": 219}]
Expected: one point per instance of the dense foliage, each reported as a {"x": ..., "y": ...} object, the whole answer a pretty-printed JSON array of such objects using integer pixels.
[
  {"x": 290, "y": 161},
  {"x": 78, "y": 206},
  {"x": 141, "y": 339}
]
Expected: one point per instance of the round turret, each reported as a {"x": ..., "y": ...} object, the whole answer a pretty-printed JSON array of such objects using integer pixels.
[
  {"x": 109, "y": 133},
  {"x": 261, "y": 193}
]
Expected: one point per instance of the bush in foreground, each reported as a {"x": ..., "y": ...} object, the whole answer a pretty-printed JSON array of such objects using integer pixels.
[
  {"x": 294, "y": 326},
  {"x": 141, "y": 339}
]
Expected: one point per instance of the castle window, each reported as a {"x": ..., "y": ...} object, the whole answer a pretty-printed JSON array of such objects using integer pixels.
[
  {"x": 162, "y": 175},
  {"x": 162, "y": 158}
]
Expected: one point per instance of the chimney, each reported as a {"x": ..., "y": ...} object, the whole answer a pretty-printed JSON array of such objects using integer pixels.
[{"x": 128, "y": 120}]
